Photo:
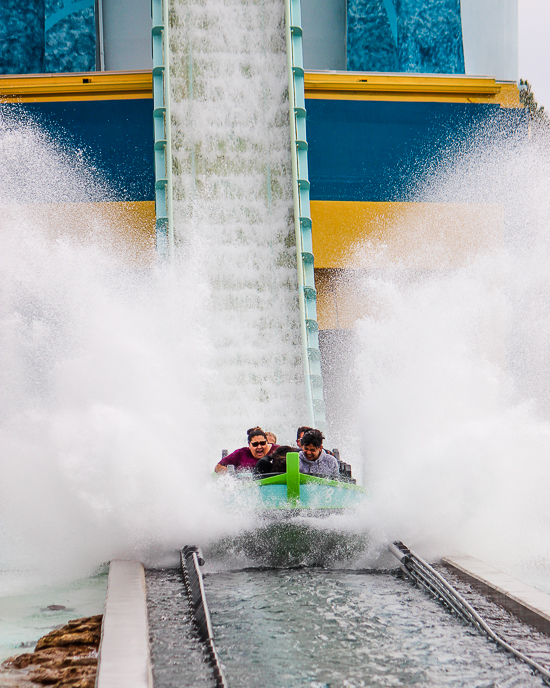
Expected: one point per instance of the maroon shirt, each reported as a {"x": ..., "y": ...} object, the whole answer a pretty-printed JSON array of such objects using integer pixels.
[{"x": 242, "y": 458}]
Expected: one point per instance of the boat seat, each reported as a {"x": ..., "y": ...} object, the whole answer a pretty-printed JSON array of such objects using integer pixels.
[{"x": 344, "y": 468}]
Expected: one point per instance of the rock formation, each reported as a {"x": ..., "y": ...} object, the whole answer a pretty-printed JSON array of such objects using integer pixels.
[{"x": 64, "y": 658}]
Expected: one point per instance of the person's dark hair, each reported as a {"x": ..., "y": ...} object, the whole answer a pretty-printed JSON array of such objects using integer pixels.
[
  {"x": 313, "y": 437},
  {"x": 301, "y": 429},
  {"x": 255, "y": 432},
  {"x": 283, "y": 451},
  {"x": 278, "y": 458}
]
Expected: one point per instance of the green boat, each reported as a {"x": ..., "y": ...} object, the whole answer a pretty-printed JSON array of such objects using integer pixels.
[{"x": 292, "y": 493}]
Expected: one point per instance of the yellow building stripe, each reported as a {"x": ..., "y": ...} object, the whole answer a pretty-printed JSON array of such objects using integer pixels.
[
  {"x": 125, "y": 228},
  {"x": 327, "y": 85},
  {"x": 410, "y": 87},
  {"x": 348, "y": 234},
  {"x": 352, "y": 240},
  {"x": 36, "y": 88}
]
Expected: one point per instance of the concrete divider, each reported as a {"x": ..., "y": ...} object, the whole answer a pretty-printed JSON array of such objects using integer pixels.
[
  {"x": 527, "y": 603},
  {"x": 124, "y": 659}
]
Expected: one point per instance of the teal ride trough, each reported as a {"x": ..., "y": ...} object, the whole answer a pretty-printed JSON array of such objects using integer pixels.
[{"x": 295, "y": 492}]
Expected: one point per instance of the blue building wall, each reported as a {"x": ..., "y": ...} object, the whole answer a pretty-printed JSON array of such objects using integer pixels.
[
  {"x": 380, "y": 151},
  {"x": 422, "y": 36},
  {"x": 114, "y": 136}
]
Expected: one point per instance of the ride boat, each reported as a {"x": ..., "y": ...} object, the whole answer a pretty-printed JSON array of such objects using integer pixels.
[{"x": 292, "y": 492}]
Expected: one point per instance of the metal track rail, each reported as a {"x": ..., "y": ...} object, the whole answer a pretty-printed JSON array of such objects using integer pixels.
[
  {"x": 191, "y": 561},
  {"x": 424, "y": 575}
]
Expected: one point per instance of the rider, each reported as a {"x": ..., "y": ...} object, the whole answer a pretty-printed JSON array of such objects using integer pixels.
[
  {"x": 300, "y": 433},
  {"x": 313, "y": 458},
  {"x": 275, "y": 462},
  {"x": 247, "y": 457}
]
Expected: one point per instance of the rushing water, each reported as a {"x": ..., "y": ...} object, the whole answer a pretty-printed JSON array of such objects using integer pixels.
[
  {"x": 322, "y": 628},
  {"x": 234, "y": 205},
  {"x": 281, "y": 628},
  {"x": 178, "y": 658}
]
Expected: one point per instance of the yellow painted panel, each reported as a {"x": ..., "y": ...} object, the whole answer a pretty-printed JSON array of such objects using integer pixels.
[
  {"x": 410, "y": 87},
  {"x": 35, "y": 88},
  {"x": 328, "y": 85},
  {"x": 341, "y": 298},
  {"x": 126, "y": 228},
  {"x": 349, "y": 234},
  {"x": 327, "y": 310}
]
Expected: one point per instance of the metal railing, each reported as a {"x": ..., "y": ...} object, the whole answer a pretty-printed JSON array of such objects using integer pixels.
[
  {"x": 302, "y": 218},
  {"x": 164, "y": 227},
  {"x": 191, "y": 561}
]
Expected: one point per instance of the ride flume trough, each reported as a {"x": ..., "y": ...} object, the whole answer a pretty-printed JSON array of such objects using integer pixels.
[{"x": 167, "y": 233}]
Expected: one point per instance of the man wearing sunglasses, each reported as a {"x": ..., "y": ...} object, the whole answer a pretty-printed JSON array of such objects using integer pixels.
[{"x": 246, "y": 458}]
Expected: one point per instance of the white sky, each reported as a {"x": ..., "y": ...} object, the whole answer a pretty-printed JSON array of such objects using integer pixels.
[{"x": 534, "y": 47}]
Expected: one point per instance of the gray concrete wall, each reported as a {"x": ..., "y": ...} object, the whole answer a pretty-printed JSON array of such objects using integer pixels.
[
  {"x": 490, "y": 38},
  {"x": 127, "y": 34},
  {"x": 324, "y": 25}
]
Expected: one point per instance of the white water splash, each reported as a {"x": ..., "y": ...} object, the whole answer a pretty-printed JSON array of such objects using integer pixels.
[
  {"x": 114, "y": 390},
  {"x": 455, "y": 375}
]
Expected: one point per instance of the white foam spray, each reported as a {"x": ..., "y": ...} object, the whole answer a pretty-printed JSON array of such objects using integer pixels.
[
  {"x": 454, "y": 372},
  {"x": 110, "y": 382},
  {"x": 121, "y": 384}
]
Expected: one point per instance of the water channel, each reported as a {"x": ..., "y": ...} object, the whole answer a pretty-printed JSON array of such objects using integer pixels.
[{"x": 321, "y": 628}]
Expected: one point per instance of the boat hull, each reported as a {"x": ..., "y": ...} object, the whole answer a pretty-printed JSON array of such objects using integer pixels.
[{"x": 294, "y": 492}]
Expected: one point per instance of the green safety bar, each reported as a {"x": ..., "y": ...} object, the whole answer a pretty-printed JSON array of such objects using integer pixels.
[
  {"x": 164, "y": 228},
  {"x": 302, "y": 218}
]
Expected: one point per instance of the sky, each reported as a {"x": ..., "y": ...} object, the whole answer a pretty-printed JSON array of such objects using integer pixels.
[{"x": 534, "y": 47}]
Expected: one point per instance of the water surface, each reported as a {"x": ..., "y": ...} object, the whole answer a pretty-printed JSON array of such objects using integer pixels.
[
  {"x": 24, "y": 618},
  {"x": 321, "y": 628}
]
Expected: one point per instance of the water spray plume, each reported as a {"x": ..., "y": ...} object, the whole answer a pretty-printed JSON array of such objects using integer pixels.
[
  {"x": 108, "y": 431},
  {"x": 453, "y": 364}
]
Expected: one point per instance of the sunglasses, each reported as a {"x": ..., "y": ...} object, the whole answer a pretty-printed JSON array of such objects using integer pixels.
[{"x": 258, "y": 444}]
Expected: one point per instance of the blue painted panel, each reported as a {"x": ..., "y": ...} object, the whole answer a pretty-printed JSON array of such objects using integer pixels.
[
  {"x": 114, "y": 136},
  {"x": 421, "y": 36},
  {"x": 381, "y": 150}
]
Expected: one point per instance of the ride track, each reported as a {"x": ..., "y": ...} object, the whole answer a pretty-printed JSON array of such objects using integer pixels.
[{"x": 415, "y": 568}]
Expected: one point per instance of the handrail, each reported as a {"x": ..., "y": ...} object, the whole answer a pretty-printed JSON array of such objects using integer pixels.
[
  {"x": 164, "y": 227},
  {"x": 307, "y": 293}
]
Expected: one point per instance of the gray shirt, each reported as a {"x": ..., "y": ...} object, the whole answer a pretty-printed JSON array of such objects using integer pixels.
[{"x": 326, "y": 464}]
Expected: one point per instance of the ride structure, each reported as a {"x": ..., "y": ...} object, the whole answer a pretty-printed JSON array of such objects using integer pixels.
[
  {"x": 307, "y": 293},
  {"x": 164, "y": 228},
  {"x": 164, "y": 225}
]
